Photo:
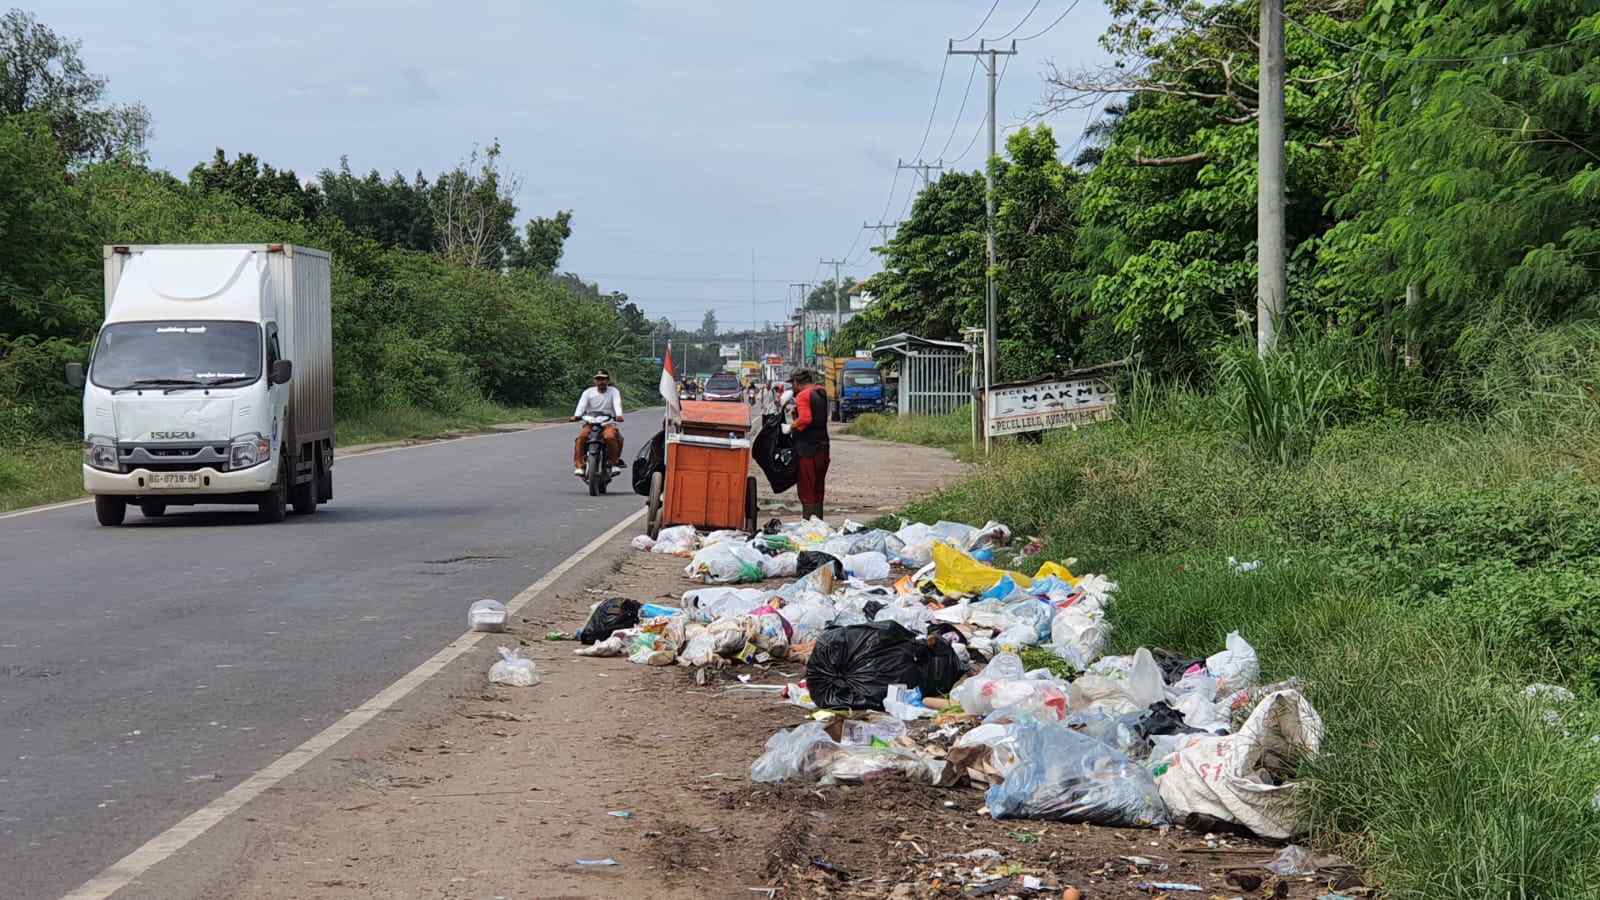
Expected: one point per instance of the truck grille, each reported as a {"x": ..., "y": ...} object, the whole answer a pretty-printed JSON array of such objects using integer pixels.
[{"x": 173, "y": 457}]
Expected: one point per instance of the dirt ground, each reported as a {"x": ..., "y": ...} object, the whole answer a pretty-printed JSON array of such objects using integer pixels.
[{"x": 475, "y": 791}]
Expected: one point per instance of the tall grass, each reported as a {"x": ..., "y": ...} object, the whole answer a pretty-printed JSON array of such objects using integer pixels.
[
  {"x": 953, "y": 430},
  {"x": 1418, "y": 574}
]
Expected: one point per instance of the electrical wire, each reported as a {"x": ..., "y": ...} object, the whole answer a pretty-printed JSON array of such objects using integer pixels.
[
  {"x": 981, "y": 24},
  {"x": 936, "y": 94},
  {"x": 999, "y": 79},
  {"x": 1024, "y": 21},
  {"x": 1046, "y": 30},
  {"x": 956, "y": 123},
  {"x": 732, "y": 279},
  {"x": 1390, "y": 57}
]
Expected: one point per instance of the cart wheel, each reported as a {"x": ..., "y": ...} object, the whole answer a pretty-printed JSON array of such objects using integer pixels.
[
  {"x": 652, "y": 519},
  {"x": 750, "y": 505}
]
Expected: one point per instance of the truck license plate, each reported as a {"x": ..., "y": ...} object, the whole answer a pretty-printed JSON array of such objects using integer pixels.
[{"x": 167, "y": 481}]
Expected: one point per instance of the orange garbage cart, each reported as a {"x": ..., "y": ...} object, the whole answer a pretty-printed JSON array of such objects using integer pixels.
[{"x": 707, "y": 482}]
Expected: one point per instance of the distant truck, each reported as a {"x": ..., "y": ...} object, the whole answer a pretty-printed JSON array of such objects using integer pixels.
[
  {"x": 854, "y": 386},
  {"x": 211, "y": 380}
]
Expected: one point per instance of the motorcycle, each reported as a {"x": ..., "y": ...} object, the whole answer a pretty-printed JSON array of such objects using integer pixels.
[{"x": 596, "y": 471}]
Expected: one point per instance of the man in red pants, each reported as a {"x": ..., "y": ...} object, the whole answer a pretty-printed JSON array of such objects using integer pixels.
[{"x": 810, "y": 433}]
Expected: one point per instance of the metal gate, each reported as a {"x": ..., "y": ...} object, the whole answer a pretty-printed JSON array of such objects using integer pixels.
[{"x": 936, "y": 377}]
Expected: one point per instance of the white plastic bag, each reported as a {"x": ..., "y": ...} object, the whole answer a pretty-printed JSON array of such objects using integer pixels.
[
  {"x": 615, "y": 645},
  {"x": 725, "y": 563},
  {"x": 781, "y": 566},
  {"x": 1003, "y": 683},
  {"x": 1243, "y": 778},
  {"x": 1145, "y": 683},
  {"x": 486, "y": 615},
  {"x": 513, "y": 670},
  {"x": 713, "y": 603},
  {"x": 1079, "y": 634},
  {"x": 642, "y": 542},
  {"x": 1065, "y": 776},
  {"x": 903, "y": 703},
  {"x": 677, "y": 540},
  {"x": 869, "y": 566},
  {"x": 1236, "y": 667},
  {"x": 809, "y": 619},
  {"x": 786, "y": 753}
]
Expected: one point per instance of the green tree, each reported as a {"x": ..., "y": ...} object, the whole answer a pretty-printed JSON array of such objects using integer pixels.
[
  {"x": 394, "y": 212},
  {"x": 824, "y": 296},
  {"x": 41, "y": 72},
  {"x": 708, "y": 326},
  {"x": 473, "y": 207},
  {"x": 259, "y": 186},
  {"x": 540, "y": 251}
]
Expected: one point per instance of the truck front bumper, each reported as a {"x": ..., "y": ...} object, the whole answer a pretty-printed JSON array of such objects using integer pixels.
[{"x": 214, "y": 483}]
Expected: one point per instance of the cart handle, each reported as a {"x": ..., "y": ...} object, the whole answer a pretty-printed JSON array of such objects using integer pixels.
[{"x": 704, "y": 441}]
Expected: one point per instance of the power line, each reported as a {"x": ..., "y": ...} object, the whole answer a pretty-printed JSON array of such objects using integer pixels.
[
  {"x": 956, "y": 122},
  {"x": 981, "y": 24},
  {"x": 936, "y": 94},
  {"x": 973, "y": 142},
  {"x": 1046, "y": 30},
  {"x": 1024, "y": 21},
  {"x": 733, "y": 279},
  {"x": 1390, "y": 57}
]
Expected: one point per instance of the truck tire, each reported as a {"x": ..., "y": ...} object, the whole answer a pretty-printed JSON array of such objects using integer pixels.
[
  {"x": 304, "y": 495},
  {"x": 275, "y": 507},
  {"x": 110, "y": 510},
  {"x": 325, "y": 480},
  {"x": 153, "y": 509}
]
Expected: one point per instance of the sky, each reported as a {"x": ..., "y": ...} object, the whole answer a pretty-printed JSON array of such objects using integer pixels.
[{"x": 696, "y": 143}]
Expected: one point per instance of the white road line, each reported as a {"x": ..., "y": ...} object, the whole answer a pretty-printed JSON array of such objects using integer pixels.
[
  {"x": 360, "y": 454},
  {"x": 119, "y": 874}
]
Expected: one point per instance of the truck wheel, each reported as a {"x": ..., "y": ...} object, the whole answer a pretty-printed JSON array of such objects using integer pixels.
[
  {"x": 325, "y": 483},
  {"x": 110, "y": 510},
  {"x": 153, "y": 509},
  {"x": 275, "y": 508},
  {"x": 304, "y": 496}
]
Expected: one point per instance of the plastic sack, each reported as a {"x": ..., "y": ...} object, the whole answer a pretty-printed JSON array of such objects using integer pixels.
[
  {"x": 1003, "y": 684},
  {"x": 811, "y": 560},
  {"x": 700, "y": 650},
  {"x": 1036, "y": 615},
  {"x": 1292, "y": 860},
  {"x": 677, "y": 540},
  {"x": 809, "y": 619},
  {"x": 991, "y": 535},
  {"x": 1079, "y": 634},
  {"x": 956, "y": 534},
  {"x": 711, "y": 604},
  {"x": 616, "y": 645},
  {"x": 1199, "y": 712},
  {"x": 773, "y": 451},
  {"x": 914, "y": 616},
  {"x": 783, "y": 565},
  {"x": 1065, "y": 776},
  {"x": 1099, "y": 692},
  {"x": 610, "y": 616},
  {"x": 642, "y": 542},
  {"x": 852, "y": 667},
  {"x": 513, "y": 670},
  {"x": 1246, "y": 778},
  {"x": 1145, "y": 683},
  {"x": 874, "y": 541},
  {"x": 904, "y": 703},
  {"x": 956, "y": 574},
  {"x": 652, "y": 458},
  {"x": 486, "y": 615},
  {"x": 786, "y": 753},
  {"x": 1235, "y": 668},
  {"x": 726, "y": 562},
  {"x": 869, "y": 566}
]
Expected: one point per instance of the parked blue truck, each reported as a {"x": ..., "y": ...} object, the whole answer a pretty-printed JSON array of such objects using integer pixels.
[{"x": 856, "y": 386}]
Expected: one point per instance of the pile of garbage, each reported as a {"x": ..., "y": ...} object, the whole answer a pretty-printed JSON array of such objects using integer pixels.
[{"x": 924, "y": 675}]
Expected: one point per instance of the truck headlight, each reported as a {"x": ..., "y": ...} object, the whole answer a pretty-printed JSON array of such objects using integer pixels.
[
  {"x": 100, "y": 453},
  {"x": 249, "y": 450}
]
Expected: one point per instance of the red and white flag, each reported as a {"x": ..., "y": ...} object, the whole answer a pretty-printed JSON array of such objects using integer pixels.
[{"x": 669, "y": 386}]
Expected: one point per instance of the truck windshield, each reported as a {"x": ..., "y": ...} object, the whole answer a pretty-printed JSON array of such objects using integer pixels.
[
  {"x": 156, "y": 354},
  {"x": 865, "y": 380}
]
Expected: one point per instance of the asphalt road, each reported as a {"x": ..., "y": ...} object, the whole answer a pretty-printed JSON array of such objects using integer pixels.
[{"x": 147, "y": 669}]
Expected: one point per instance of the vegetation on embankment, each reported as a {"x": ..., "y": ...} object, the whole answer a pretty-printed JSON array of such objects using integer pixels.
[{"x": 1418, "y": 574}]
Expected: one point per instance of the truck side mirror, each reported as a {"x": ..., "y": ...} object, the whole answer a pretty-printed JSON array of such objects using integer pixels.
[
  {"x": 75, "y": 376},
  {"x": 282, "y": 371}
]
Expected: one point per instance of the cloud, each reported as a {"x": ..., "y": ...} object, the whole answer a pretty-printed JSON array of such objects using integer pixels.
[{"x": 863, "y": 73}]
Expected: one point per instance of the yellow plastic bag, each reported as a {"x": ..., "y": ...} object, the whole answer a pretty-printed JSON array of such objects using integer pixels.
[
  {"x": 1057, "y": 569},
  {"x": 955, "y": 573}
]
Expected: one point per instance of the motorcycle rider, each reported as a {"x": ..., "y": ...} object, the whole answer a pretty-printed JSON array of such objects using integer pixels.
[{"x": 600, "y": 400}]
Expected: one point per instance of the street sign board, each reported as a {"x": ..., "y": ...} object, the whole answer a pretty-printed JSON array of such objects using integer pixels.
[{"x": 1045, "y": 404}]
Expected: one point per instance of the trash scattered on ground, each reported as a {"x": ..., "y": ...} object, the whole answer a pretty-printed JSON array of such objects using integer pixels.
[
  {"x": 620, "y": 814},
  {"x": 513, "y": 670},
  {"x": 1156, "y": 887},
  {"x": 486, "y": 615},
  {"x": 609, "y": 617},
  {"x": 1241, "y": 568},
  {"x": 608, "y": 861}
]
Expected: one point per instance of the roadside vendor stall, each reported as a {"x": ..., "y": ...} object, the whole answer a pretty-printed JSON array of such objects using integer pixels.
[{"x": 707, "y": 481}]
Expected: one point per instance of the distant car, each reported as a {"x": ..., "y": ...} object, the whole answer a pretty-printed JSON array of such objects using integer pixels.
[{"x": 723, "y": 386}]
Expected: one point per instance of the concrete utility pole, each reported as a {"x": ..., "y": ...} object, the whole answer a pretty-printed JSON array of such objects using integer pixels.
[
  {"x": 797, "y": 349},
  {"x": 1272, "y": 277},
  {"x": 988, "y": 55},
  {"x": 838, "y": 305},
  {"x": 1413, "y": 302},
  {"x": 920, "y": 167},
  {"x": 883, "y": 228}
]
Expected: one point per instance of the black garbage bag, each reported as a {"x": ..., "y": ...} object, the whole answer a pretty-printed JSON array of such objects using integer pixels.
[
  {"x": 611, "y": 615},
  {"x": 651, "y": 458},
  {"x": 1173, "y": 665},
  {"x": 852, "y": 666},
  {"x": 871, "y": 610},
  {"x": 811, "y": 560},
  {"x": 773, "y": 451}
]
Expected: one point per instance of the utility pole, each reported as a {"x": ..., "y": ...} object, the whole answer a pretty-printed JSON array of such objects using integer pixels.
[
  {"x": 988, "y": 56},
  {"x": 883, "y": 228},
  {"x": 1272, "y": 278},
  {"x": 1413, "y": 303},
  {"x": 838, "y": 307},
  {"x": 797, "y": 349},
  {"x": 920, "y": 167}
]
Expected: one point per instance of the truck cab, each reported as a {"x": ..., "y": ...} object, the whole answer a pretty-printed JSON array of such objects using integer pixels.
[
  {"x": 861, "y": 389},
  {"x": 210, "y": 381}
]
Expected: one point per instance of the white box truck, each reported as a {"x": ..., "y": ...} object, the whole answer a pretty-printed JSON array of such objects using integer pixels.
[{"x": 211, "y": 380}]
